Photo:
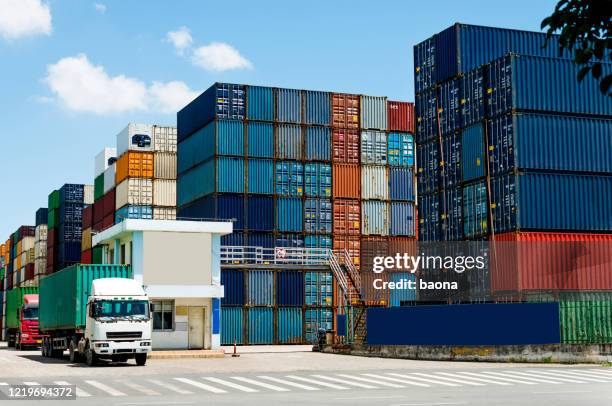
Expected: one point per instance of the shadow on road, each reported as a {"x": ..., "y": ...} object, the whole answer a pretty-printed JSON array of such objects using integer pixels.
[{"x": 64, "y": 360}]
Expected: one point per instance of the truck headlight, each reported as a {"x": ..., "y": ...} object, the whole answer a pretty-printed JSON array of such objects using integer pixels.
[
  {"x": 101, "y": 345},
  {"x": 145, "y": 343}
]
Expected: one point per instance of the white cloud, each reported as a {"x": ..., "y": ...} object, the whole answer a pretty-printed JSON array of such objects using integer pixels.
[
  {"x": 81, "y": 86},
  {"x": 170, "y": 97},
  {"x": 181, "y": 39},
  {"x": 22, "y": 18},
  {"x": 101, "y": 8},
  {"x": 219, "y": 57}
]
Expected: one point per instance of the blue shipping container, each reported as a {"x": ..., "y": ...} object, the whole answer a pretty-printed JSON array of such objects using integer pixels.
[
  {"x": 289, "y": 324},
  {"x": 318, "y": 179},
  {"x": 289, "y": 141},
  {"x": 289, "y": 240},
  {"x": 318, "y": 241},
  {"x": 289, "y": 214},
  {"x": 318, "y": 107},
  {"x": 260, "y": 103},
  {"x": 71, "y": 212},
  {"x": 318, "y": 144},
  {"x": 426, "y": 112},
  {"x": 134, "y": 212},
  {"x": 233, "y": 285},
  {"x": 223, "y": 207},
  {"x": 41, "y": 216},
  {"x": 222, "y": 174},
  {"x": 232, "y": 325},
  {"x": 449, "y": 106},
  {"x": 429, "y": 217},
  {"x": 428, "y": 167},
  {"x": 552, "y": 201},
  {"x": 472, "y": 152},
  {"x": 401, "y": 184},
  {"x": 402, "y": 219},
  {"x": 475, "y": 213},
  {"x": 473, "y": 97},
  {"x": 290, "y": 288},
  {"x": 261, "y": 325},
  {"x": 549, "y": 142},
  {"x": 264, "y": 240},
  {"x": 401, "y": 297},
  {"x": 260, "y": 140},
  {"x": 425, "y": 65},
  {"x": 221, "y": 100},
  {"x": 260, "y": 290},
  {"x": 68, "y": 252},
  {"x": 451, "y": 214},
  {"x": 72, "y": 193},
  {"x": 289, "y": 105},
  {"x": 70, "y": 232},
  {"x": 260, "y": 176},
  {"x": 235, "y": 239},
  {"x": 260, "y": 213},
  {"x": 316, "y": 319},
  {"x": 289, "y": 178},
  {"x": 450, "y": 171},
  {"x": 400, "y": 149},
  {"x": 318, "y": 216},
  {"x": 318, "y": 288}
]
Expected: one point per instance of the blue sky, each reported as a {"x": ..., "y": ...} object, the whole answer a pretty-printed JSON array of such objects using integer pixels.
[{"x": 74, "y": 73}]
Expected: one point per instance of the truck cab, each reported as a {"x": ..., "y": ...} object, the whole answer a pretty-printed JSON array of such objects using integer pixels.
[{"x": 28, "y": 334}]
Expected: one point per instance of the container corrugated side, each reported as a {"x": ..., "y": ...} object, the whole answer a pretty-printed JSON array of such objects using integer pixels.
[
  {"x": 473, "y": 96},
  {"x": 164, "y": 213},
  {"x": 288, "y": 141},
  {"x": 289, "y": 106},
  {"x": 165, "y": 139},
  {"x": 164, "y": 167},
  {"x": 346, "y": 180},
  {"x": 428, "y": 167},
  {"x": 475, "y": 213},
  {"x": 402, "y": 219},
  {"x": 449, "y": 106},
  {"x": 472, "y": 152},
  {"x": 164, "y": 192},
  {"x": 401, "y": 297},
  {"x": 134, "y": 164},
  {"x": 318, "y": 288},
  {"x": 290, "y": 288},
  {"x": 221, "y": 175},
  {"x": 318, "y": 144},
  {"x": 136, "y": 191},
  {"x": 374, "y": 147},
  {"x": 318, "y": 241},
  {"x": 14, "y": 299},
  {"x": 260, "y": 213},
  {"x": 289, "y": 322},
  {"x": 265, "y": 240},
  {"x": 345, "y": 145},
  {"x": 260, "y": 140},
  {"x": 289, "y": 214},
  {"x": 233, "y": 286},
  {"x": 429, "y": 217},
  {"x": 318, "y": 107},
  {"x": 549, "y": 142},
  {"x": 289, "y": 179},
  {"x": 374, "y": 182},
  {"x": 426, "y": 112},
  {"x": 452, "y": 214},
  {"x": 375, "y": 217},
  {"x": 261, "y": 325},
  {"x": 345, "y": 110},
  {"x": 350, "y": 243},
  {"x": 133, "y": 212},
  {"x": 316, "y": 319},
  {"x": 318, "y": 216},
  {"x": 586, "y": 318},
  {"x": 317, "y": 179},
  {"x": 260, "y": 176},
  {"x": 63, "y": 295},
  {"x": 347, "y": 217},
  {"x": 400, "y": 149},
  {"x": 374, "y": 112},
  {"x": 260, "y": 103},
  {"x": 424, "y": 64},
  {"x": 223, "y": 207},
  {"x": 232, "y": 325},
  {"x": 290, "y": 240},
  {"x": 400, "y": 116},
  {"x": 260, "y": 290},
  {"x": 401, "y": 184}
]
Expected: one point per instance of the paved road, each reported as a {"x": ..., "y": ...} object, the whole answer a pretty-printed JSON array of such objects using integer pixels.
[{"x": 416, "y": 384}]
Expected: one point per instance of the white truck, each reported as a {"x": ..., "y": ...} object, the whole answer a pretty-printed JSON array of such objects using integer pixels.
[{"x": 110, "y": 320}]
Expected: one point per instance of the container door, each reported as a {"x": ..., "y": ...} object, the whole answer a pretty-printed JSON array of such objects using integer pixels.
[{"x": 196, "y": 327}]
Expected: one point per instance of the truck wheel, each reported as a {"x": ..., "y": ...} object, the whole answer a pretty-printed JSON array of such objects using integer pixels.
[
  {"x": 43, "y": 348},
  {"x": 90, "y": 357},
  {"x": 73, "y": 354},
  {"x": 141, "y": 359}
]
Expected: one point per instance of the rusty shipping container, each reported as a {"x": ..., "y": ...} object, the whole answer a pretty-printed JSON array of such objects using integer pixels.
[
  {"x": 346, "y": 180},
  {"x": 345, "y": 146},
  {"x": 347, "y": 217},
  {"x": 400, "y": 116},
  {"x": 345, "y": 111},
  {"x": 350, "y": 243}
]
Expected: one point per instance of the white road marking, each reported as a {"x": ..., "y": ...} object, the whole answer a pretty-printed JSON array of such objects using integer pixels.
[
  {"x": 463, "y": 381},
  {"x": 601, "y": 370},
  {"x": 545, "y": 379},
  {"x": 200, "y": 385},
  {"x": 370, "y": 380},
  {"x": 79, "y": 392},
  {"x": 345, "y": 381},
  {"x": 28, "y": 383},
  {"x": 598, "y": 373},
  {"x": 315, "y": 382},
  {"x": 418, "y": 378},
  {"x": 3, "y": 384},
  {"x": 460, "y": 375},
  {"x": 105, "y": 388},
  {"x": 288, "y": 383},
  {"x": 230, "y": 384},
  {"x": 571, "y": 374},
  {"x": 502, "y": 377},
  {"x": 140, "y": 388},
  {"x": 171, "y": 387},
  {"x": 428, "y": 404},
  {"x": 519, "y": 376},
  {"x": 388, "y": 378},
  {"x": 262, "y": 384}
]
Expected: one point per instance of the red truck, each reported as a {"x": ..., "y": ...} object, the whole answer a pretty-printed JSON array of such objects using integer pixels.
[{"x": 22, "y": 320}]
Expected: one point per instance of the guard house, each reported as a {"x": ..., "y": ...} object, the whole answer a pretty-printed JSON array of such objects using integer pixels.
[{"x": 178, "y": 264}]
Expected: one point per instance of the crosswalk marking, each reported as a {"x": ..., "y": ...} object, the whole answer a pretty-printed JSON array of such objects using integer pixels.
[
  {"x": 105, "y": 388},
  {"x": 520, "y": 376},
  {"x": 28, "y": 383},
  {"x": 501, "y": 376},
  {"x": 369, "y": 379},
  {"x": 288, "y": 383},
  {"x": 171, "y": 387},
  {"x": 3, "y": 384},
  {"x": 347, "y": 382},
  {"x": 571, "y": 375},
  {"x": 200, "y": 385},
  {"x": 475, "y": 379},
  {"x": 599, "y": 373},
  {"x": 461, "y": 381},
  {"x": 384, "y": 380},
  {"x": 79, "y": 392},
  {"x": 592, "y": 374},
  {"x": 568, "y": 379},
  {"x": 418, "y": 378},
  {"x": 603, "y": 371},
  {"x": 140, "y": 388},
  {"x": 315, "y": 382},
  {"x": 487, "y": 378},
  {"x": 545, "y": 379},
  {"x": 231, "y": 384},
  {"x": 262, "y": 384}
]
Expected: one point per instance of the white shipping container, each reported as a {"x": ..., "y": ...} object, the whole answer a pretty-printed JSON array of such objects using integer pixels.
[
  {"x": 135, "y": 137},
  {"x": 164, "y": 193},
  {"x": 374, "y": 112},
  {"x": 27, "y": 243},
  {"x": 101, "y": 161},
  {"x": 40, "y": 233},
  {"x": 374, "y": 182},
  {"x": 134, "y": 191},
  {"x": 374, "y": 147},
  {"x": 164, "y": 164},
  {"x": 40, "y": 249},
  {"x": 164, "y": 138},
  {"x": 109, "y": 178},
  {"x": 164, "y": 213},
  {"x": 374, "y": 217},
  {"x": 40, "y": 265},
  {"x": 88, "y": 194}
]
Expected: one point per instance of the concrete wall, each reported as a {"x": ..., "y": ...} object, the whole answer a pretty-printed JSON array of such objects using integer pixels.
[{"x": 179, "y": 338}]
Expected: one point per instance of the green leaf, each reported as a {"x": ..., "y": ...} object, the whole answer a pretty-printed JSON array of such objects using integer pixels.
[{"x": 583, "y": 72}]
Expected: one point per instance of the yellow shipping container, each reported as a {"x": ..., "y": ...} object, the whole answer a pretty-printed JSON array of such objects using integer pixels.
[
  {"x": 134, "y": 165},
  {"x": 86, "y": 241}
]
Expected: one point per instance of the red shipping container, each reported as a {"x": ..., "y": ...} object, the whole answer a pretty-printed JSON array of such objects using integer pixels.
[
  {"x": 345, "y": 146},
  {"x": 535, "y": 261},
  {"x": 98, "y": 226},
  {"x": 51, "y": 237},
  {"x": 29, "y": 272},
  {"x": 372, "y": 247},
  {"x": 108, "y": 221},
  {"x": 86, "y": 257},
  {"x": 402, "y": 245},
  {"x": 109, "y": 203},
  {"x": 87, "y": 216},
  {"x": 347, "y": 217},
  {"x": 346, "y": 180},
  {"x": 371, "y": 295},
  {"x": 345, "y": 111},
  {"x": 98, "y": 211},
  {"x": 50, "y": 258},
  {"x": 350, "y": 243},
  {"x": 400, "y": 116}
]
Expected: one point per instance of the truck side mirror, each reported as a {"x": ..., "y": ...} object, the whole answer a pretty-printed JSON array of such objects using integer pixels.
[{"x": 151, "y": 308}]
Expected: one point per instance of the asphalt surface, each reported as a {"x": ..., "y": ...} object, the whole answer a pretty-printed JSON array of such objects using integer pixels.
[{"x": 280, "y": 377}]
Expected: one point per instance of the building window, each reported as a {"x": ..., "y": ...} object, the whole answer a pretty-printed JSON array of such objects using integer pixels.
[
  {"x": 163, "y": 315},
  {"x": 122, "y": 254}
]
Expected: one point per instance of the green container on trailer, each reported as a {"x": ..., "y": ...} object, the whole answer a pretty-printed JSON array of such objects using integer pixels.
[
  {"x": 1, "y": 276},
  {"x": 586, "y": 317},
  {"x": 64, "y": 294},
  {"x": 52, "y": 218},
  {"x": 99, "y": 187},
  {"x": 54, "y": 200},
  {"x": 96, "y": 257},
  {"x": 14, "y": 300}
]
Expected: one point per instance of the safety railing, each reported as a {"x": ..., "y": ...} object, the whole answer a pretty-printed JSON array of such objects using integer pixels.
[{"x": 274, "y": 256}]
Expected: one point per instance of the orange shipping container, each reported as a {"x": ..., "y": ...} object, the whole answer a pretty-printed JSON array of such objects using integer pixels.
[
  {"x": 347, "y": 217},
  {"x": 345, "y": 145},
  {"x": 345, "y": 109},
  {"x": 134, "y": 165},
  {"x": 346, "y": 180},
  {"x": 351, "y": 243}
]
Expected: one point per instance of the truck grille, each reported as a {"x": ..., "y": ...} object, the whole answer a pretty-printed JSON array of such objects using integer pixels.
[{"x": 124, "y": 334}]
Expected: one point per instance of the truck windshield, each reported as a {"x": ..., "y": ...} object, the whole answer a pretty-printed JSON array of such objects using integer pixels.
[
  {"x": 138, "y": 309},
  {"x": 30, "y": 313}
]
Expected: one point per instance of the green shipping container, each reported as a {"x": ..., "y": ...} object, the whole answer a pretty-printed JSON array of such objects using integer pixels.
[
  {"x": 96, "y": 256},
  {"x": 1, "y": 277},
  {"x": 14, "y": 300},
  {"x": 54, "y": 200},
  {"x": 63, "y": 295},
  {"x": 99, "y": 187},
  {"x": 52, "y": 218},
  {"x": 586, "y": 318}
]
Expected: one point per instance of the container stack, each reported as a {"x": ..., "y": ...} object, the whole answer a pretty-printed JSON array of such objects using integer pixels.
[
  {"x": 23, "y": 269},
  {"x": 40, "y": 243},
  {"x": 3, "y": 262},
  {"x": 511, "y": 148},
  {"x": 101, "y": 214},
  {"x": 285, "y": 165},
  {"x": 164, "y": 172}
]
